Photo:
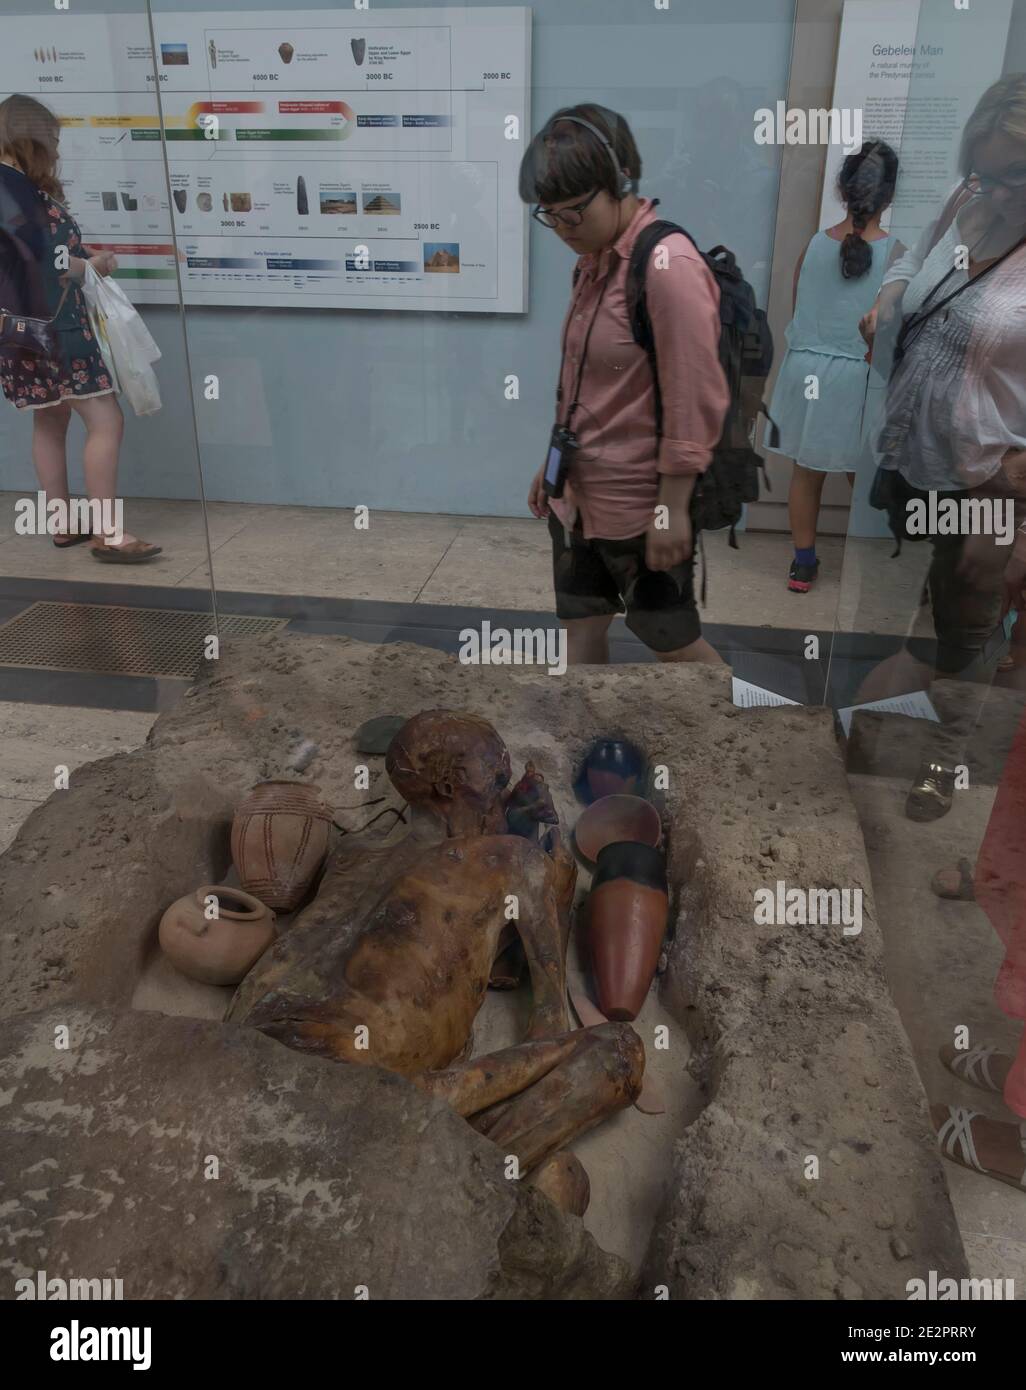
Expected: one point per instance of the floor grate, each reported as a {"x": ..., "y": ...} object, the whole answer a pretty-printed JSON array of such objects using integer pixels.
[{"x": 113, "y": 640}]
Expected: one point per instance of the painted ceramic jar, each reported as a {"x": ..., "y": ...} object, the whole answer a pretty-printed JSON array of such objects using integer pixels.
[{"x": 279, "y": 839}]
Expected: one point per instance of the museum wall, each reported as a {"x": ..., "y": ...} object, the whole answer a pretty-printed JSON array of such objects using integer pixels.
[{"x": 406, "y": 410}]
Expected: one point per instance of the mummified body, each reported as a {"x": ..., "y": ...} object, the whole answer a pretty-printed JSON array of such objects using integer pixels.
[{"x": 390, "y": 963}]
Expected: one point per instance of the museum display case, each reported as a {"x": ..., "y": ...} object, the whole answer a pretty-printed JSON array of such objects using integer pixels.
[{"x": 438, "y": 946}]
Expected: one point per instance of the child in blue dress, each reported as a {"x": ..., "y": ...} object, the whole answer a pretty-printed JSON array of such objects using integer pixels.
[{"x": 836, "y": 282}]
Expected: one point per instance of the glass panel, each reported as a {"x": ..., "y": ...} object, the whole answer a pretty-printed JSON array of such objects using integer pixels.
[
  {"x": 937, "y": 769},
  {"x": 399, "y": 387},
  {"x": 417, "y": 435},
  {"x": 102, "y": 645}
]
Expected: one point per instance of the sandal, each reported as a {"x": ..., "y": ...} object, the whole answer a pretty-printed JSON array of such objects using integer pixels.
[
  {"x": 66, "y": 540},
  {"x": 973, "y": 1066},
  {"x": 955, "y": 1138},
  {"x": 931, "y": 796},
  {"x": 131, "y": 553},
  {"x": 965, "y": 890}
]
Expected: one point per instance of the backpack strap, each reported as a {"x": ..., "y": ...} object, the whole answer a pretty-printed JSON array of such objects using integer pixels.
[
  {"x": 647, "y": 240},
  {"x": 637, "y": 303}
]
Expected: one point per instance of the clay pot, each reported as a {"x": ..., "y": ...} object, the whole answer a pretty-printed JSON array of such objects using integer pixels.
[
  {"x": 359, "y": 47},
  {"x": 220, "y": 950},
  {"x": 285, "y": 52},
  {"x": 279, "y": 840},
  {"x": 627, "y": 910},
  {"x": 614, "y": 818},
  {"x": 611, "y": 766},
  {"x": 563, "y": 1179}
]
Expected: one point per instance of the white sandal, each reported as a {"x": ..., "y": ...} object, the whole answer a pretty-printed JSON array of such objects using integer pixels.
[
  {"x": 974, "y": 1067},
  {"x": 956, "y": 1133}
]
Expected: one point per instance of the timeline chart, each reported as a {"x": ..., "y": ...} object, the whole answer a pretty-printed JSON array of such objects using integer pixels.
[
  {"x": 384, "y": 237},
  {"x": 359, "y": 160}
]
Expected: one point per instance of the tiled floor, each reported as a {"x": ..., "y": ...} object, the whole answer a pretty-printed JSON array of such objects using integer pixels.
[
  {"x": 485, "y": 562},
  {"x": 37, "y": 738}
]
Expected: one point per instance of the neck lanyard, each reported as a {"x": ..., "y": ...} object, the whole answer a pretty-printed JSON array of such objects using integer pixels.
[
  {"x": 571, "y": 409},
  {"x": 916, "y": 321}
]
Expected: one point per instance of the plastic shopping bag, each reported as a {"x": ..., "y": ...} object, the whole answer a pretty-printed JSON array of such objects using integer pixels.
[
  {"x": 98, "y": 324},
  {"x": 131, "y": 346},
  {"x": 140, "y": 387}
]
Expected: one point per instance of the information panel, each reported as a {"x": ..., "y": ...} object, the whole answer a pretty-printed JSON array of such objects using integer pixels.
[
  {"x": 325, "y": 159},
  {"x": 916, "y": 82}
]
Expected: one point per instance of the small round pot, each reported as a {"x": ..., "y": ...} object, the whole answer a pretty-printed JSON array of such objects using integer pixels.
[
  {"x": 611, "y": 766},
  {"x": 279, "y": 839},
  {"x": 614, "y": 818},
  {"x": 627, "y": 910},
  {"x": 220, "y": 950}
]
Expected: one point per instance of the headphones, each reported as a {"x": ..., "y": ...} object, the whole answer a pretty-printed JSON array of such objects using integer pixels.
[{"x": 624, "y": 182}]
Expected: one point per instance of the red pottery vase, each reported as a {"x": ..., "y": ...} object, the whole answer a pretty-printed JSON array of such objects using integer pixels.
[
  {"x": 613, "y": 819},
  {"x": 217, "y": 950},
  {"x": 627, "y": 910},
  {"x": 279, "y": 840}
]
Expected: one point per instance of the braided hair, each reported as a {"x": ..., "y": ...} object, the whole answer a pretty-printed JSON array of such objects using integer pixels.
[{"x": 866, "y": 185}]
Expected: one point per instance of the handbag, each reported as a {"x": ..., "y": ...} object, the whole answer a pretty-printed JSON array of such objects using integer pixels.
[
  {"x": 27, "y": 335},
  {"x": 24, "y": 336},
  {"x": 891, "y": 492}
]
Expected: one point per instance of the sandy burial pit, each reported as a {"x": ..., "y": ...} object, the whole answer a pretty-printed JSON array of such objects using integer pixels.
[{"x": 782, "y": 1042}]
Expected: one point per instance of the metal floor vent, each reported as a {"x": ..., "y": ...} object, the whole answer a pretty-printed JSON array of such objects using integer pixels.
[{"x": 121, "y": 641}]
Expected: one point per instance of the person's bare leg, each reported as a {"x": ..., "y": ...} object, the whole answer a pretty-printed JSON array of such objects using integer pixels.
[
  {"x": 1015, "y": 659},
  {"x": 699, "y": 650},
  {"x": 105, "y": 428},
  {"x": 587, "y": 640},
  {"x": 533, "y": 1098},
  {"x": 803, "y": 500},
  {"x": 468, "y": 1087},
  {"x": 50, "y": 451},
  {"x": 601, "y": 1075}
]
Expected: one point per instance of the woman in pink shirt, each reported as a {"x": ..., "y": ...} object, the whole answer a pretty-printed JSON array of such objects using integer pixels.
[{"x": 621, "y": 530}]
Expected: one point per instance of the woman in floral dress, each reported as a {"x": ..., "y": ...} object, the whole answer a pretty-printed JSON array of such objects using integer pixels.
[{"x": 36, "y": 224}]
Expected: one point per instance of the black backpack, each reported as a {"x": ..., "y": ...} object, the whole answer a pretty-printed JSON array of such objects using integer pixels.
[{"x": 746, "y": 355}]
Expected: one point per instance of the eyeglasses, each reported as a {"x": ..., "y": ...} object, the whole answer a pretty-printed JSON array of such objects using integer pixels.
[
  {"x": 977, "y": 183},
  {"x": 570, "y": 217}
]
